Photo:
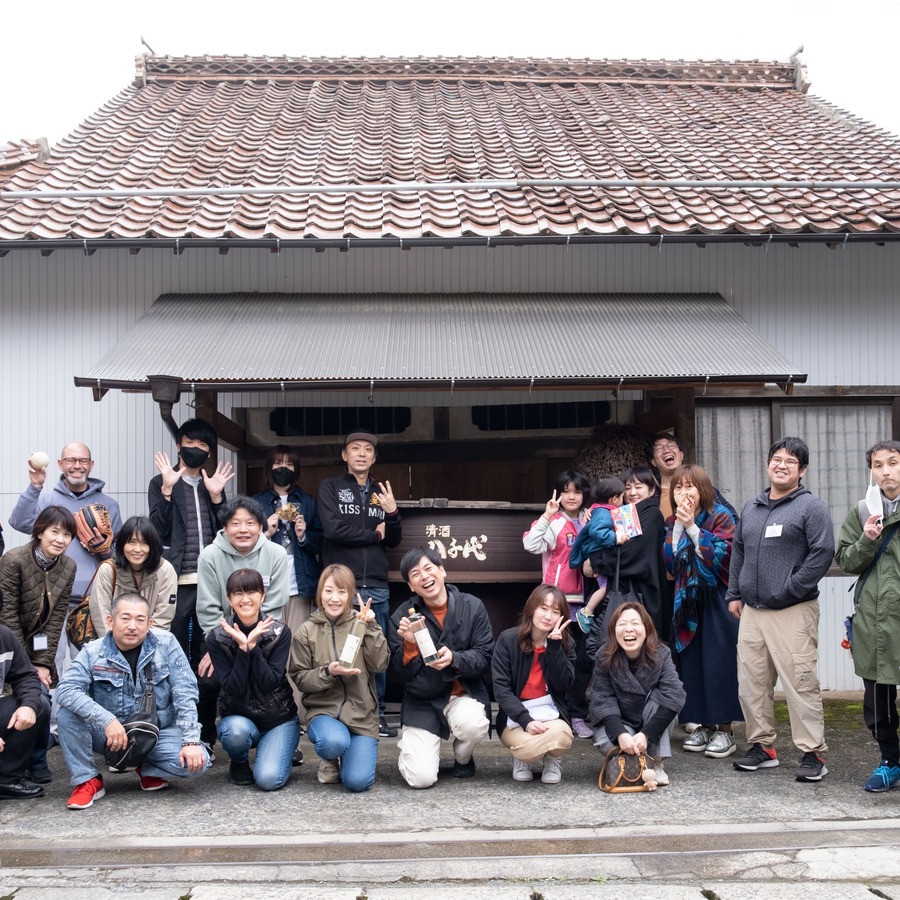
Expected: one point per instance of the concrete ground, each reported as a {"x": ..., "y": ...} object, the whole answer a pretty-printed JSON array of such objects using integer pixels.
[{"x": 713, "y": 833}]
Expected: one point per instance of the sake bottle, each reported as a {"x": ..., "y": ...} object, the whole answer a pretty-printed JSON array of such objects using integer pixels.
[
  {"x": 352, "y": 643},
  {"x": 419, "y": 626}
]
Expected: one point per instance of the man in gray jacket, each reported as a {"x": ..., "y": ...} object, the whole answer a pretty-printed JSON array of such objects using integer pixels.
[{"x": 782, "y": 548}]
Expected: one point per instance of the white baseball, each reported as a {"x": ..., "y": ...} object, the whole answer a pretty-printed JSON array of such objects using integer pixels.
[{"x": 39, "y": 460}]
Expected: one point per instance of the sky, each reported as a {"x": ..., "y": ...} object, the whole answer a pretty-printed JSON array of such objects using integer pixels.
[{"x": 59, "y": 63}]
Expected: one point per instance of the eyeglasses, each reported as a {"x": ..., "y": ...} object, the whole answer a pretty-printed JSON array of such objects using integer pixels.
[
  {"x": 76, "y": 460},
  {"x": 781, "y": 461},
  {"x": 665, "y": 445}
]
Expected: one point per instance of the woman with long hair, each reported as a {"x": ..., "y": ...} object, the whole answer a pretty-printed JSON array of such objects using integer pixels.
[
  {"x": 533, "y": 668},
  {"x": 138, "y": 568},
  {"x": 636, "y": 694},
  {"x": 697, "y": 553}
]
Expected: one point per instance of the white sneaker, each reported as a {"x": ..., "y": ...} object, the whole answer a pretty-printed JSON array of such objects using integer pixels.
[
  {"x": 662, "y": 777},
  {"x": 720, "y": 745},
  {"x": 522, "y": 770},
  {"x": 690, "y": 727},
  {"x": 329, "y": 771},
  {"x": 697, "y": 742},
  {"x": 552, "y": 771}
]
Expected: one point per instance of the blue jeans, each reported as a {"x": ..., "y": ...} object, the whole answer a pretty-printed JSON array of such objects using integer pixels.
[
  {"x": 274, "y": 748},
  {"x": 80, "y": 741},
  {"x": 380, "y": 597},
  {"x": 357, "y": 753}
]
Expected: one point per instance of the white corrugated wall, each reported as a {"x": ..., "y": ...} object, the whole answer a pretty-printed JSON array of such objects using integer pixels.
[{"x": 832, "y": 313}]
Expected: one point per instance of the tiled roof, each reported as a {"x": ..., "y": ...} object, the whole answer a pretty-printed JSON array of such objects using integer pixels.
[
  {"x": 15, "y": 154},
  {"x": 464, "y": 339},
  {"x": 211, "y": 122}
]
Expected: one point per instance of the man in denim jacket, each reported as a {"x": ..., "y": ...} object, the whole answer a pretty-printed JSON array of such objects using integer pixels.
[{"x": 103, "y": 686}]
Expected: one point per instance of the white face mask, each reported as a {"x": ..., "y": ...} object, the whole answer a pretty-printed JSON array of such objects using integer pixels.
[{"x": 873, "y": 499}]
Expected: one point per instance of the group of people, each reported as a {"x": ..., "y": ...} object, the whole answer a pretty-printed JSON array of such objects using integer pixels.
[{"x": 252, "y": 619}]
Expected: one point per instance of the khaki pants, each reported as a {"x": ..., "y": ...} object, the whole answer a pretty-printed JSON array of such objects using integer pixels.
[
  {"x": 556, "y": 740},
  {"x": 781, "y": 643},
  {"x": 420, "y": 750}
]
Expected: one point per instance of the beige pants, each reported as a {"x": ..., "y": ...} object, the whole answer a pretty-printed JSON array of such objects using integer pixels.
[
  {"x": 556, "y": 740},
  {"x": 296, "y": 612},
  {"x": 420, "y": 750},
  {"x": 781, "y": 643}
]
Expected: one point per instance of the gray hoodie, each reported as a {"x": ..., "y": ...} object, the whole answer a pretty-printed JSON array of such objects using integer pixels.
[
  {"x": 780, "y": 553},
  {"x": 218, "y": 560}
]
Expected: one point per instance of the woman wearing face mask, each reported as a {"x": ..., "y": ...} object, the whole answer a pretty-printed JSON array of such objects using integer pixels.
[
  {"x": 36, "y": 583},
  {"x": 697, "y": 553},
  {"x": 341, "y": 704},
  {"x": 139, "y": 568},
  {"x": 250, "y": 656}
]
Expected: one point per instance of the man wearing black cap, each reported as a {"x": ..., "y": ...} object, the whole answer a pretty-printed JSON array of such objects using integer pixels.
[{"x": 360, "y": 521}]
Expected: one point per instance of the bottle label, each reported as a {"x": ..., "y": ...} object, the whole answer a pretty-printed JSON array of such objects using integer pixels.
[
  {"x": 348, "y": 654},
  {"x": 426, "y": 644}
]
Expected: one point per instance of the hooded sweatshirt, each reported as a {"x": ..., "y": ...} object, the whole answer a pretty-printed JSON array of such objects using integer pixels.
[{"x": 220, "y": 559}]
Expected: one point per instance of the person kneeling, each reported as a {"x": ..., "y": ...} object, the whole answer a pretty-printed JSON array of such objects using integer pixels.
[
  {"x": 105, "y": 684},
  {"x": 445, "y": 696},
  {"x": 636, "y": 693},
  {"x": 533, "y": 669},
  {"x": 340, "y": 699},
  {"x": 250, "y": 655}
]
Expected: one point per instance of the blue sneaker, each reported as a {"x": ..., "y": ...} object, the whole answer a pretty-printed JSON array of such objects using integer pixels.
[
  {"x": 883, "y": 778},
  {"x": 585, "y": 620}
]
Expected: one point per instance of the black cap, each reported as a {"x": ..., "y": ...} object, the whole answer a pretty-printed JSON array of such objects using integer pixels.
[{"x": 361, "y": 436}]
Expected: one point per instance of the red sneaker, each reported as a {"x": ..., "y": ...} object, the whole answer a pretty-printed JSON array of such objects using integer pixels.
[
  {"x": 86, "y": 793},
  {"x": 151, "y": 783}
]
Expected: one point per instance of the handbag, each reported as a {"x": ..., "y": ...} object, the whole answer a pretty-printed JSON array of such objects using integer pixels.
[
  {"x": 615, "y": 597},
  {"x": 141, "y": 730},
  {"x": 79, "y": 625},
  {"x": 627, "y": 773}
]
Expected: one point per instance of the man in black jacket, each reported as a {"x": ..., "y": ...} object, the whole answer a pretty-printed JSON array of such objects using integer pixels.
[
  {"x": 360, "y": 521},
  {"x": 184, "y": 506},
  {"x": 447, "y": 697},
  {"x": 23, "y": 715}
]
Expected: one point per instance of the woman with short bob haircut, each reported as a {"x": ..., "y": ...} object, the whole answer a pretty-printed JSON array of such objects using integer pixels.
[
  {"x": 340, "y": 704},
  {"x": 250, "y": 656},
  {"x": 636, "y": 694},
  {"x": 697, "y": 550},
  {"x": 139, "y": 568},
  {"x": 533, "y": 668}
]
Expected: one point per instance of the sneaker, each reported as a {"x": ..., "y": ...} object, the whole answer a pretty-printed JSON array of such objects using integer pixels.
[
  {"x": 720, "y": 745},
  {"x": 86, "y": 793},
  {"x": 812, "y": 768},
  {"x": 151, "y": 782},
  {"x": 385, "y": 730},
  {"x": 756, "y": 757},
  {"x": 297, "y": 758},
  {"x": 698, "y": 741},
  {"x": 329, "y": 771},
  {"x": 522, "y": 770},
  {"x": 690, "y": 727},
  {"x": 552, "y": 771},
  {"x": 241, "y": 772},
  {"x": 463, "y": 770},
  {"x": 883, "y": 778},
  {"x": 662, "y": 777},
  {"x": 40, "y": 774},
  {"x": 585, "y": 620},
  {"x": 582, "y": 729}
]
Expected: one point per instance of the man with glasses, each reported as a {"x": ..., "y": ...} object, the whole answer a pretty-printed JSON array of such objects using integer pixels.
[
  {"x": 74, "y": 490},
  {"x": 783, "y": 546}
]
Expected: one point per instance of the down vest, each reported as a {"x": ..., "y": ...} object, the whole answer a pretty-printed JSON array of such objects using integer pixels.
[{"x": 25, "y": 584}]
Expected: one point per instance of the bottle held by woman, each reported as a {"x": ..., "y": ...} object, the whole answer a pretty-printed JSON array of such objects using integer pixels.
[{"x": 533, "y": 668}]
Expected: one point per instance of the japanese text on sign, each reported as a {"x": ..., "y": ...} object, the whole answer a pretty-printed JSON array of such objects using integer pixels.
[{"x": 473, "y": 546}]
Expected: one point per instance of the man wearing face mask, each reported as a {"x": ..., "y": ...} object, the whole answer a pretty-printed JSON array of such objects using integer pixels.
[{"x": 184, "y": 506}]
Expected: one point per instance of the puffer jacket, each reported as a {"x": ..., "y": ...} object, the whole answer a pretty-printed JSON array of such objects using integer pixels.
[
  {"x": 98, "y": 686},
  {"x": 351, "y": 699},
  {"x": 25, "y": 584},
  {"x": 254, "y": 684}
]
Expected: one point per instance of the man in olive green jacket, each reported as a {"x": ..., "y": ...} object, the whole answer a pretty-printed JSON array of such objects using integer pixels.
[{"x": 869, "y": 546}]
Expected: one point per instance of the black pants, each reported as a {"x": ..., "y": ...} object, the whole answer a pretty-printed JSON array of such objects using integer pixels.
[
  {"x": 189, "y": 635},
  {"x": 584, "y": 670},
  {"x": 15, "y": 759},
  {"x": 880, "y": 711}
]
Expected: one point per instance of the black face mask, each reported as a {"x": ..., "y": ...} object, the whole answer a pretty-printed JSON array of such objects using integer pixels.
[
  {"x": 193, "y": 457},
  {"x": 283, "y": 476}
]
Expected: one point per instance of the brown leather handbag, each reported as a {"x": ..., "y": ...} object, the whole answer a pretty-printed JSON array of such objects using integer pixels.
[{"x": 623, "y": 773}]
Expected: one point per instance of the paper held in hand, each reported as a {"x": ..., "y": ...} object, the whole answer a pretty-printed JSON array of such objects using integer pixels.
[{"x": 626, "y": 521}]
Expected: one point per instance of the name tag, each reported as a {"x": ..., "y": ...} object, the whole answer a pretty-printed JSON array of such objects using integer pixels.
[
  {"x": 39, "y": 641},
  {"x": 773, "y": 530},
  {"x": 265, "y": 579}
]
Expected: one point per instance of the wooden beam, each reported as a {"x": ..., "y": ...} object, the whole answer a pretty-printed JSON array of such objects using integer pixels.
[
  {"x": 231, "y": 435},
  {"x": 685, "y": 421}
]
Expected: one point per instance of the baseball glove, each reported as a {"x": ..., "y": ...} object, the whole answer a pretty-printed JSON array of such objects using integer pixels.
[{"x": 94, "y": 528}]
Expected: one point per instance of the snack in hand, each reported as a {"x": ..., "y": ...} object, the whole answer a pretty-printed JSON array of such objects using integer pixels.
[{"x": 287, "y": 513}]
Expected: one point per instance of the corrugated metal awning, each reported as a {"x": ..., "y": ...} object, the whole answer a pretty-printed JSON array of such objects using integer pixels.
[{"x": 251, "y": 341}]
